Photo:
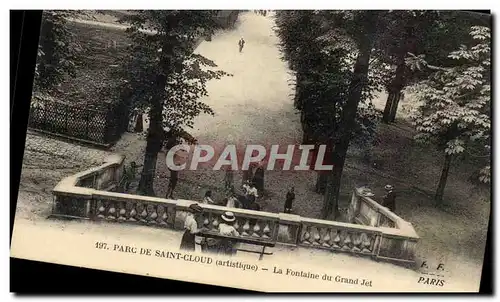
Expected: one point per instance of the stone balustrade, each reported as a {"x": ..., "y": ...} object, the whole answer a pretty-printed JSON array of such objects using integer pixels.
[
  {"x": 339, "y": 236},
  {"x": 372, "y": 231},
  {"x": 252, "y": 224}
]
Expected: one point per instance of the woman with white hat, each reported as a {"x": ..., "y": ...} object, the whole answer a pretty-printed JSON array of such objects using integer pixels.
[{"x": 226, "y": 228}]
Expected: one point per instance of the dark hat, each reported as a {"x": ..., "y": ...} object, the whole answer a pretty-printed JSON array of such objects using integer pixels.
[
  {"x": 228, "y": 216},
  {"x": 195, "y": 208}
]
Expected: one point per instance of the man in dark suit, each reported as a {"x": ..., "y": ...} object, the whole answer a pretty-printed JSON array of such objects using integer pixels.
[
  {"x": 290, "y": 197},
  {"x": 390, "y": 198}
]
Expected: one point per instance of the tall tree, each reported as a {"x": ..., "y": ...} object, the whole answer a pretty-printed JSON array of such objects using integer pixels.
[
  {"x": 165, "y": 77},
  {"x": 58, "y": 51},
  {"x": 362, "y": 27},
  {"x": 455, "y": 114},
  {"x": 322, "y": 59}
]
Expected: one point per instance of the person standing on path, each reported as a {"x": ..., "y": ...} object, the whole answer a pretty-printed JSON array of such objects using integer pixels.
[
  {"x": 190, "y": 228},
  {"x": 390, "y": 198},
  {"x": 208, "y": 198},
  {"x": 290, "y": 197},
  {"x": 241, "y": 44},
  {"x": 229, "y": 181},
  {"x": 258, "y": 178}
]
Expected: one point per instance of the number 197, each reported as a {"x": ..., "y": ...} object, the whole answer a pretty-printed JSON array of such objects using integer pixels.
[{"x": 100, "y": 245}]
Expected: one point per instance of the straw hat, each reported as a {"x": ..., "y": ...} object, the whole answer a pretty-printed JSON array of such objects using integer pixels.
[
  {"x": 388, "y": 187},
  {"x": 228, "y": 217}
]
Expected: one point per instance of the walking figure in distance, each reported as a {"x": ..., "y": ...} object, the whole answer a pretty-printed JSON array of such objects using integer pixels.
[
  {"x": 241, "y": 44},
  {"x": 290, "y": 197}
]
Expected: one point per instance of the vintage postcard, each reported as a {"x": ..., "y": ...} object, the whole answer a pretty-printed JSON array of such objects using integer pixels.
[{"x": 269, "y": 150}]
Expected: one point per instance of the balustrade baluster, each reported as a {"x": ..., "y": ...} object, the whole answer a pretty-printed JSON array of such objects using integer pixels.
[
  {"x": 337, "y": 240},
  {"x": 133, "y": 213},
  {"x": 246, "y": 228},
  {"x": 164, "y": 216},
  {"x": 101, "y": 210},
  {"x": 112, "y": 211},
  {"x": 365, "y": 243},
  {"x": 256, "y": 229},
  {"x": 266, "y": 232},
  {"x": 144, "y": 214},
  {"x": 346, "y": 243},
  {"x": 153, "y": 214},
  {"x": 122, "y": 211},
  {"x": 306, "y": 234},
  {"x": 315, "y": 237},
  {"x": 326, "y": 238},
  {"x": 356, "y": 242},
  {"x": 215, "y": 223}
]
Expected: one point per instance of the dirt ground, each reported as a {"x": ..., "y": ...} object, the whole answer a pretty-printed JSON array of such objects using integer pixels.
[{"x": 255, "y": 106}]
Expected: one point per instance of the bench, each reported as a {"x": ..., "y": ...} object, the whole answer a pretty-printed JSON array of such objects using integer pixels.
[{"x": 247, "y": 240}]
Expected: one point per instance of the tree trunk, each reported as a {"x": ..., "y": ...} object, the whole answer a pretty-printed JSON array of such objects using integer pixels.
[
  {"x": 332, "y": 190},
  {"x": 394, "y": 108},
  {"x": 347, "y": 121},
  {"x": 321, "y": 181},
  {"x": 155, "y": 139},
  {"x": 395, "y": 88},
  {"x": 442, "y": 181}
]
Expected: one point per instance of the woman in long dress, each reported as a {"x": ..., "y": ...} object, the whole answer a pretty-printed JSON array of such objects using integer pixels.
[{"x": 191, "y": 229}]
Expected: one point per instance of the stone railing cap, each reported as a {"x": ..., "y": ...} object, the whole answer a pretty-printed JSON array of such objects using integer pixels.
[
  {"x": 290, "y": 217},
  {"x": 114, "y": 158}
]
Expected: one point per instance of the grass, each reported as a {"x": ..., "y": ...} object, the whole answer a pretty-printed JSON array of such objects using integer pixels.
[{"x": 99, "y": 59}]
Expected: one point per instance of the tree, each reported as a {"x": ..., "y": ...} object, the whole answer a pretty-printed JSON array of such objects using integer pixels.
[
  {"x": 362, "y": 27},
  {"x": 434, "y": 33},
  {"x": 322, "y": 59},
  {"x": 58, "y": 51},
  {"x": 164, "y": 76},
  {"x": 455, "y": 114}
]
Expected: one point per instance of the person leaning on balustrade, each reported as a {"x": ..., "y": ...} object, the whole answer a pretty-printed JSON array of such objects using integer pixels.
[{"x": 191, "y": 228}]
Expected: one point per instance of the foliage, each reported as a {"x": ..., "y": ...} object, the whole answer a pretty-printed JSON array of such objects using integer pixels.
[
  {"x": 161, "y": 66},
  {"x": 456, "y": 101},
  {"x": 58, "y": 51},
  {"x": 322, "y": 55}
]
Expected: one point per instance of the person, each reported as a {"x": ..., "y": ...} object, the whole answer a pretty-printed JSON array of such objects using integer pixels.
[
  {"x": 172, "y": 182},
  {"x": 241, "y": 44},
  {"x": 229, "y": 180},
  {"x": 290, "y": 197},
  {"x": 252, "y": 190},
  {"x": 389, "y": 198},
  {"x": 232, "y": 202},
  {"x": 258, "y": 178},
  {"x": 247, "y": 175},
  {"x": 129, "y": 175},
  {"x": 226, "y": 228},
  {"x": 190, "y": 228},
  {"x": 208, "y": 198}
]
